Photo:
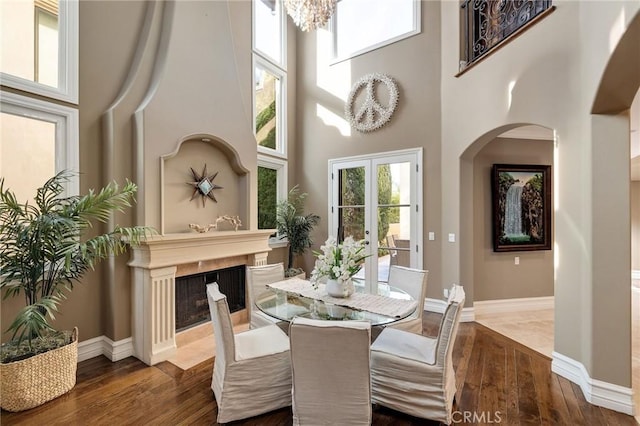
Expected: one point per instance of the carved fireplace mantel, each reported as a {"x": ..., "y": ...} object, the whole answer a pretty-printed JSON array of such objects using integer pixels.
[{"x": 155, "y": 264}]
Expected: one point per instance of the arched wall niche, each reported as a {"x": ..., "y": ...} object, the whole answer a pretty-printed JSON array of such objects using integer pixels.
[{"x": 181, "y": 205}]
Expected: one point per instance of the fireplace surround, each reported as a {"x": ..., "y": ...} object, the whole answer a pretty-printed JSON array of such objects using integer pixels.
[{"x": 157, "y": 262}]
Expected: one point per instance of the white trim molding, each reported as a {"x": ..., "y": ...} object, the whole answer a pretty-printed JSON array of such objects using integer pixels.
[
  {"x": 513, "y": 305},
  {"x": 102, "y": 345},
  {"x": 596, "y": 392}
]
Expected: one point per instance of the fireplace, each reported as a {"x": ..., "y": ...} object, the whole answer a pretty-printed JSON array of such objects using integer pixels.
[
  {"x": 192, "y": 307},
  {"x": 161, "y": 259}
]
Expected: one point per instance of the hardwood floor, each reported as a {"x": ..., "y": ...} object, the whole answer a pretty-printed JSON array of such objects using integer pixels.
[{"x": 499, "y": 381}]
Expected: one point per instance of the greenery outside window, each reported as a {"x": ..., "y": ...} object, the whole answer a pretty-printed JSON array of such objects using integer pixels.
[
  {"x": 268, "y": 107},
  {"x": 272, "y": 187}
]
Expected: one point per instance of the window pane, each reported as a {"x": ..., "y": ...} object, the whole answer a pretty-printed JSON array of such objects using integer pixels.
[
  {"x": 267, "y": 28},
  {"x": 29, "y": 36},
  {"x": 266, "y": 97},
  {"x": 351, "y": 222},
  {"x": 267, "y": 197},
  {"x": 46, "y": 48},
  {"x": 365, "y": 24},
  {"x": 20, "y": 139},
  {"x": 352, "y": 187}
]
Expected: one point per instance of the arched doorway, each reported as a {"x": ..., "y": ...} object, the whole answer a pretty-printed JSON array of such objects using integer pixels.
[
  {"x": 513, "y": 291},
  {"x": 610, "y": 122}
]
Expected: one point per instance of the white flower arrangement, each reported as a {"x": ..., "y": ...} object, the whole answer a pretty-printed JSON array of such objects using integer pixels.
[
  {"x": 338, "y": 261},
  {"x": 371, "y": 115}
]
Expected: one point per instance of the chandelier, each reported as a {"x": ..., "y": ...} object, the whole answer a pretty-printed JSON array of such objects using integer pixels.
[{"x": 310, "y": 14}]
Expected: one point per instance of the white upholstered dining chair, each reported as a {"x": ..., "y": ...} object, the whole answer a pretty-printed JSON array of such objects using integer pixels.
[
  {"x": 414, "y": 282},
  {"x": 252, "y": 370},
  {"x": 330, "y": 372},
  {"x": 414, "y": 374},
  {"x": 257, "y": 279}
]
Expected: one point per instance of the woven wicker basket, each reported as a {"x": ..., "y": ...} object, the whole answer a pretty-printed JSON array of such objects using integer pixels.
[{"x": 41, "y": 378}]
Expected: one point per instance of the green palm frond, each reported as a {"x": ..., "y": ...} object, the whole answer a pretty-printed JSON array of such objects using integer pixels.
[
  {"x": 42, "y": 252},
  {"x": 32, "y": 322}
]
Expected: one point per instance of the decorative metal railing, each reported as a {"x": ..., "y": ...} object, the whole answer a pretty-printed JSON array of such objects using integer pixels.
[{"x": 487, "y": 23}]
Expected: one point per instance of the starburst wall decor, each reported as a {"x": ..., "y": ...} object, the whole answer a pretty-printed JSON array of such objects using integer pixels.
[{"x": 203, "y": 185}]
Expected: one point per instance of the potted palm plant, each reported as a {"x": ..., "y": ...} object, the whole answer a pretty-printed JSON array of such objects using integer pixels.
[
  {"x": 296, "y": 226},
  {"x": 43, "y": 253}
]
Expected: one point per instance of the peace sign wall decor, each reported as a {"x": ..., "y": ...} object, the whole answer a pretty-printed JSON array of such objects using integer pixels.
[{"x": 371, "y": 115}]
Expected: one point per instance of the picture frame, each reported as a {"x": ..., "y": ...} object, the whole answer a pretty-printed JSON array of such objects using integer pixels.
[{"x": 521, "y": 207}]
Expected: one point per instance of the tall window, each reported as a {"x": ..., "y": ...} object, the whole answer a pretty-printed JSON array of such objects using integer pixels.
[
  {"x": 360, "y": 26},
  {"x": 269, "y": 106},
  {"x": 38, "y": 138},
  {"x": 39, "y": 45}
]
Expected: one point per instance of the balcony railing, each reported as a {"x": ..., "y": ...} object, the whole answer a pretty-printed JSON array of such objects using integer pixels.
[{"x": 488, "y": 23}]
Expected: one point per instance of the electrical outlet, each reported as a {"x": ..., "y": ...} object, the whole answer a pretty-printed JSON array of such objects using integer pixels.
[
  {"x": 432, "y": 236},
  {"x": 452, "y": 238},
  {"x": 517, "y": 260},
  {"x": 446, "y": 292}
]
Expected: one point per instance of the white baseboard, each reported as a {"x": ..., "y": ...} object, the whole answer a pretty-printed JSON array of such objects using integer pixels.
[
  {"x": 635, "y": 275},
  {"x": 102, "y": 345},
  {"x": 596, "y": 392},
  {"x": 438, "y": 306},
  {"x": 513, "y": 305}
]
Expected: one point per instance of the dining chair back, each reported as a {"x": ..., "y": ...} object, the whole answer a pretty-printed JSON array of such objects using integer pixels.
[
  {"x": 251, "y": 370},
  {"x": 257, "y": 279},
  {"x": 414, "y": 282},
  {"x": 330, "y": 372},
  {"x": 414, "y": 374}
]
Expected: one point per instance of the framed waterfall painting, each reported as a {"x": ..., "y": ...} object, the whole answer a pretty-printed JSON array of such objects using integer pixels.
[{"x": 521, "y": 201}]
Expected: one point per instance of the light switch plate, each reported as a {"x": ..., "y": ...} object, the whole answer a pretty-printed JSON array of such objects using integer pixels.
[
  {"x": 452, "y": 238},
  {"x": 432, "y": 236}
]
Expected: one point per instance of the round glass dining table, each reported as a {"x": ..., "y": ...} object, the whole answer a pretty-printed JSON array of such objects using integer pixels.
[{"x": 285, "y": 306}]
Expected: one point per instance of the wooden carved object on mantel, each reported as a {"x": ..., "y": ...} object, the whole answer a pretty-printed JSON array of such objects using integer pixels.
[{"x": 233, "y": 220}]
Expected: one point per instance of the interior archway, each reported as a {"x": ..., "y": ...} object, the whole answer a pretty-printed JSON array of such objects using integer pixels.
[
  {"x": 613, "y": 108},
  {"x": 505, "y": 283}
]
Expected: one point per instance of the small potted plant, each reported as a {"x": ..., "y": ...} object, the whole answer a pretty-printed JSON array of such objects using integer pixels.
[
  {"x": 295, "y": 226},
  {"x": 42, "y": 255}
]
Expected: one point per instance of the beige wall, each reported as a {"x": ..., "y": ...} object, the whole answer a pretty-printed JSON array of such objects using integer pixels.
[
  {"x": 496, "y": 276},
  {"x": 322, "y": 91},
  {"x": 635, "y": 226},
  {"x": 551, "y": 76}
]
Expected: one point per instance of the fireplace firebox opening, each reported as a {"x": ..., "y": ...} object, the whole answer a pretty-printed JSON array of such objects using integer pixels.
[{"x": 192, "y": 307}]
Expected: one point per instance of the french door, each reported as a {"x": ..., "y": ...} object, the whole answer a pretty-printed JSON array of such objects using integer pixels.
[{"x": 378, "y": 198}]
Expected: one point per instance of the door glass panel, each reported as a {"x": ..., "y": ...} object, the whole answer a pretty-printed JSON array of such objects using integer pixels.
[
  {"x": 20, "y": 139},
  {"x": 351, "y": 215},
  {"x": 351, "y": 221}
]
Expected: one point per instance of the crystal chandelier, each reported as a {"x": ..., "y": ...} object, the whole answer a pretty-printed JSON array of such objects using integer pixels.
[{"x": 310, "y": 14}]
